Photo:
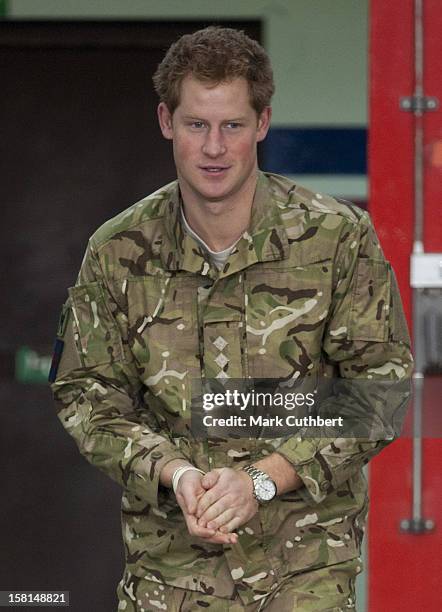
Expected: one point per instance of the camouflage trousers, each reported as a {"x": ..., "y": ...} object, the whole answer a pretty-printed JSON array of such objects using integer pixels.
[{"x": 328, "y": 589}]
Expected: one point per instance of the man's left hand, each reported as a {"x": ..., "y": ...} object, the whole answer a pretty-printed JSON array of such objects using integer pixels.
[{"x": 228, "y": 502}]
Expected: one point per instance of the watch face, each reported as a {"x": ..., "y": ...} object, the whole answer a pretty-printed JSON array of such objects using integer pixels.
[{"x": 265, "y": 489}]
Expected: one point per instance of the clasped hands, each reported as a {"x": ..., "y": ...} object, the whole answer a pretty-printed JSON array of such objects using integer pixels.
[{"x": 217, "y": 503}]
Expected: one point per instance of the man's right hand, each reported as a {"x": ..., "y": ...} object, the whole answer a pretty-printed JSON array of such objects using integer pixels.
[{"x": 188, "y": 493}]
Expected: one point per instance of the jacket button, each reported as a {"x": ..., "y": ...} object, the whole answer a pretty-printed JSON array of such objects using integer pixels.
[
  {"x": 156, "y": 455},
  {"x": 325, "y": 485}
]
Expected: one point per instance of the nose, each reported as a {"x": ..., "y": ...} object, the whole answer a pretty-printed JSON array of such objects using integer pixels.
[{"x": 214, "y": 145}]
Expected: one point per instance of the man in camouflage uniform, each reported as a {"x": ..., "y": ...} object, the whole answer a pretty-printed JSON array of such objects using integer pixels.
[{"x": 229, "y": 273}]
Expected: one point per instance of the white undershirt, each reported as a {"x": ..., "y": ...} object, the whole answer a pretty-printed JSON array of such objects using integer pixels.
[{"x": 218, "y": 258}]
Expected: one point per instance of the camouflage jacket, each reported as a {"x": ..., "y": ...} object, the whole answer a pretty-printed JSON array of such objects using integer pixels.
[{"x": 306, "y": 290}]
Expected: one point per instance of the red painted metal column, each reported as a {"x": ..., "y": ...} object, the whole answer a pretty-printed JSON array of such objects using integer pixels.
[{"x": 404, "y": 570}]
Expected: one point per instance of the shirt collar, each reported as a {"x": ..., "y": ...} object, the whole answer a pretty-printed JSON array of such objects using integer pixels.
[{"x": 265, "y": 240}]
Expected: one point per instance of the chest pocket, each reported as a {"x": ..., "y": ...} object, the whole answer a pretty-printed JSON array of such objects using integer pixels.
[
  {"x": 286, "y": 312},
  {"x": 163, "y": 336}
]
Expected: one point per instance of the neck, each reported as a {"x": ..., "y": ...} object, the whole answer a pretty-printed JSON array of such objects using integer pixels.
[{"x": 220, "y": 223}]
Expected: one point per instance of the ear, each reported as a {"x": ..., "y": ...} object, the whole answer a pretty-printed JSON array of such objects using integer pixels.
[
  {"x": 263, "y": 123},
  {"x": 165, "y": 121}
]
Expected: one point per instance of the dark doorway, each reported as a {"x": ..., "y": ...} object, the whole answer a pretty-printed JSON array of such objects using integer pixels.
[{"x": 79, "y": 143}]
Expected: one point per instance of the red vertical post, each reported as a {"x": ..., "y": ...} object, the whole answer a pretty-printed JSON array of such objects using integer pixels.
[{"x": 405, "y": 569}]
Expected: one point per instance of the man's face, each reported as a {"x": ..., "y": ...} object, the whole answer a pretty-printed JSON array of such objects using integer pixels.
[{"x": 215, "y": 131}]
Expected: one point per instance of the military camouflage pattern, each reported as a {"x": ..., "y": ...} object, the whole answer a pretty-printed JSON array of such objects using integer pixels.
[
  {"x": 305, "y": 293},
  {"x": 327, "y": 589}
]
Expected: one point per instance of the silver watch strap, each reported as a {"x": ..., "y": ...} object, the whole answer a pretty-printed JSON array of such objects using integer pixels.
[{"x": 255, "y": 472}]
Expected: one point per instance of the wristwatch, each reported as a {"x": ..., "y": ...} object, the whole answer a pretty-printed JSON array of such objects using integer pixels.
[{"x": 264, "y": 488}]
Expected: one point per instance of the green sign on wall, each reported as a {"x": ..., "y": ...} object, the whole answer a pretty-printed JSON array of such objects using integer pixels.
[{"x": 30, "y": 367}]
